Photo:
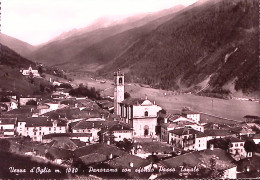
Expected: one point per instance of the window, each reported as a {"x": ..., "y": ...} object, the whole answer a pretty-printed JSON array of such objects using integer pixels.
[
  {"x": 146, "y": 113},
  {"x": 49, "y": 129},
  {"x": 54, "y": 128},
  {"x": 120, "y": 80},
  {"x": 236, "y": 145},
  {"x": 40, "y": 128},
  {"x": 241, "y": 144},
  {"x": 34, "y": 133}
]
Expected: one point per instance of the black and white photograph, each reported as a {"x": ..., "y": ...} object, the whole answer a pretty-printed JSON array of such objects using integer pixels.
[{"x": 129, "y": 89}]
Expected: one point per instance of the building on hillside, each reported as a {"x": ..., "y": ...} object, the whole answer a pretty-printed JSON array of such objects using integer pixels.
[
  {"x": 24, "y": 100},
  {"x": 37, "y": 127},
  {"x": 237, "y": 150},
  {"x": 191, "y": 115},
  {"x": 242, "y": 130},
  {"x": 175, "y": 122},
  {"x": 188, "y": 139},
  {"x": 92, "y": 125},
  {"x": 218, "y": 133},
  {"x": 141, "y": 114},
  {"x": 7, "y": 127},
  {"x": 30, "y": 71},
  {"x": 117, "y": 132},
  {"x": 10, "y": 105}
]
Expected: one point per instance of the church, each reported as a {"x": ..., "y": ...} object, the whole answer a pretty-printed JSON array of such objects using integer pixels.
[
  {"x": 27, "y": 72},
  {"x": 140, "y": 113}
]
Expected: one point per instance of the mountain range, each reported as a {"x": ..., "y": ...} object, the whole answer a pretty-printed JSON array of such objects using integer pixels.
[{"x": 211, "y": 45}]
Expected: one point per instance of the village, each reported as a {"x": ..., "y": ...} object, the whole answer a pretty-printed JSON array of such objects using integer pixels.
[{"x": 79, "y": 133}]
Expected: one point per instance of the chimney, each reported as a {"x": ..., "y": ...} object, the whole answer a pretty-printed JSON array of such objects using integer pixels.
[
  {"x": 108, "y": 142},
  {"x": 122, "y": 127},
  {"x": 131, "y": 164},
  {"x": 93, "y": 125},
  {"x": 102, "y": 116},
  {"x": 211, "y": 147}
]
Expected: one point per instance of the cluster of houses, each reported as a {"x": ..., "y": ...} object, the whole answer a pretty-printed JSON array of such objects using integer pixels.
[{"x": 89, "y": 131}]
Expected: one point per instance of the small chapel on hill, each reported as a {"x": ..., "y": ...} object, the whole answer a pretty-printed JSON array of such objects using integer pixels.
[{"x": 140, "y": 113}]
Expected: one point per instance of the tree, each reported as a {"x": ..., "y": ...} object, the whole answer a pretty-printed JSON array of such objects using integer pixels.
[
  {"x": 31, "y": 102},
  {"x": 250, "y": 146},
  {"x": 219, "y": 143},
  {"x": 40, "y": 70},
  {"x": 126, "y": 95}
]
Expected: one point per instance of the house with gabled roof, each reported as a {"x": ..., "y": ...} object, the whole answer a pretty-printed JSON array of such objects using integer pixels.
[
  {"x": 92, "y": 125},
  {"x": 242, "y": 130},
  {"x": 172, "y": 122},
  {"x": 118, "y": 132},
  {"x": 218, "y": 133},
  {"x": 188, "y": 139},
  {"x": 37, "y": 127},
  {"x": 236, "y": 148},
  {"x": 191, "y": 115}
]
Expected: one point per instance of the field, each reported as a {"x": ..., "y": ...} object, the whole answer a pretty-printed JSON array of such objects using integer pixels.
[{"x": 170, "y": 101}]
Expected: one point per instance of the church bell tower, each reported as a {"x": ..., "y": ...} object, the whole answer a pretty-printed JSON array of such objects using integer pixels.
[{"x": 119, "y": 91}]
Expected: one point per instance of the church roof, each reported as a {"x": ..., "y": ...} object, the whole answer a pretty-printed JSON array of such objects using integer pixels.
[{"x": 133, "y": 101}]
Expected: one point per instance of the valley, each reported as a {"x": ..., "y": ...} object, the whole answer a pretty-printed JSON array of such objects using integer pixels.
[{"x": 171, "y": 101}]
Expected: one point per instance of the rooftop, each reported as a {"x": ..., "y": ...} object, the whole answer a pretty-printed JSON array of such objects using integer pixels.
[
  {"x": 93, "y": 158},
  {"x": 133, "y": 101},
  {"x": 217, "y": 132},
  {"x": 234, "y": 140},
  {"x": 100, "y": 148},
  {"x": 40, "y": 122},
  {"x": 223, "y": 159},
  {"x": 7, "y": 120},
  {"x": 186, "y": 131}
]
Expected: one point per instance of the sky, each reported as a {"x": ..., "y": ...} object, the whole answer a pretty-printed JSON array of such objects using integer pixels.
[{"x": 38, "y": 21}]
